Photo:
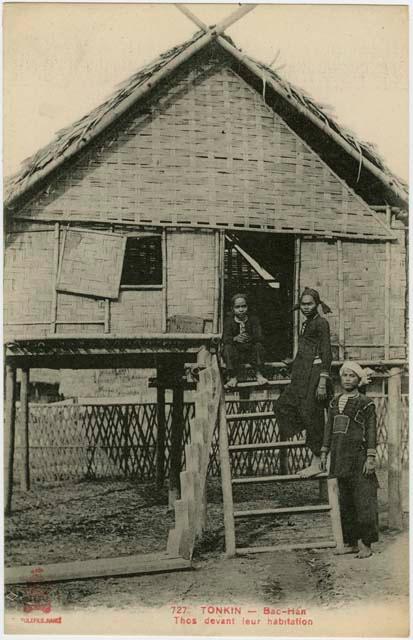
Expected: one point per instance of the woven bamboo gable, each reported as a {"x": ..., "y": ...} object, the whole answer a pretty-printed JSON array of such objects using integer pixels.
[{"x": 208, "y": 151}]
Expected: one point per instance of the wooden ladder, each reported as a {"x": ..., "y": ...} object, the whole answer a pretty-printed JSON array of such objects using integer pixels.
[{"x": 231, "y": 515}]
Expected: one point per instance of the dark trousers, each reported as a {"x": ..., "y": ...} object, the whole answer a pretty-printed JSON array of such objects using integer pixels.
[
  {"x": 358, "y": 508},
  {"x": 236, "y": 355}
]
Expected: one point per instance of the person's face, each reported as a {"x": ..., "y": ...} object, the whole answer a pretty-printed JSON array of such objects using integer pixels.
[
  {"x": 240, "y": 307},
  {"x": 308, "y": 306},
  {"x": 349, "y": 380}
]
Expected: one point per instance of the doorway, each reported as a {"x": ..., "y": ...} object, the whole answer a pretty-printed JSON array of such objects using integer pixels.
[{"x": 261, "y": 265}]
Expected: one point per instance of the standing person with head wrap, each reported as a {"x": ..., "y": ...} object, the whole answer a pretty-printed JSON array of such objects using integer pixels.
[
  {"x": 350, "y": 435},
  {"x": 303, "y": 402}
]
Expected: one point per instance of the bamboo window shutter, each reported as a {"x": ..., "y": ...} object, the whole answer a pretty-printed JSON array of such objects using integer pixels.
[{"x": 91, "y": 263}]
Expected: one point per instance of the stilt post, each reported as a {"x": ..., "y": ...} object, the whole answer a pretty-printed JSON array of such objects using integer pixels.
[
  {"x": 160, "y": 439},
  {"x": 9, "y": 436},
  {"x": 24, "y": 431},
  {"x": 177, "y": 430},
  {"x": 394, "y": 449},
  {"x": 332, "y": 487},
  {"x": 226, "y": 482}
]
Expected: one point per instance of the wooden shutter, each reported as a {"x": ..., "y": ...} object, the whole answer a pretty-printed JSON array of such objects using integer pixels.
[{"x": 91, "y": 263}]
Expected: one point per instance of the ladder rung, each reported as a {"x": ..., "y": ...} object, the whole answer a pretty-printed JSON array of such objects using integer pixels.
[
  {"x": 251, "y": 384},
  {"x": 287, "y": 547},
  {"x": 281, "y": 510},
  {"x": 250, "y": 416},
  {"x": 287, "y": 478},
  {"x": 267, "y": 445}
]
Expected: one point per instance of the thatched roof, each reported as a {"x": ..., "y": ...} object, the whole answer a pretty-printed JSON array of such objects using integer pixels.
[{"x": 70, "y": 140}]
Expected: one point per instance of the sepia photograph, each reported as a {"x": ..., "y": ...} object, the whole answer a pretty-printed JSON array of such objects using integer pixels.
[{"x": 205, "y": 319}]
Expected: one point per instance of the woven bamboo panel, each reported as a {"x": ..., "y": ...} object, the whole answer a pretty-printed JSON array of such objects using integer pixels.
[
  {"x": 75, "y": 442},
  {"x": 136, "y": 311},
  {"x": 28, "y": 274},
  {"x": 363, "y": 290},
  {"x": 91, "y": 263},
  {"x": 191, "y": 274},
  {"x": 208, "y": 151}
]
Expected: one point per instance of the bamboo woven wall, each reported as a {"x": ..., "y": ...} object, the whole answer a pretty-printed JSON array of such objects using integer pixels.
[
  {"x": 364, "y": 268},
  {"x": 207, "y": 150},
  {"x": 30, "y": 277}
]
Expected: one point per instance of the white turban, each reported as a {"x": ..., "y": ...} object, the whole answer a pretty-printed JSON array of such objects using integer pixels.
[{"x": 363, "y": 374}]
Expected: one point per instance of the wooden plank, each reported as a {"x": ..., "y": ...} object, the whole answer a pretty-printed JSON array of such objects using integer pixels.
[
  {"x": 9, "y": 436},
  {"x": 332, "y": 487},
  {"x": 78, "y": 570},
  {"x": 56, "y": 269},
  {"x": 284, "y": 478},
  {"x": 164, "y": 282},
  {"x": 251, "y": 384},
  {"x": 160, "y": 438},
  {"x": 177, "y": 430},
  {"x": 226, "y": 482},
  {"x": 24, "y": 431},
  {"x": 297, "y": 274},
  {"x": 250, "y": 416},
  {"x": 394, "y": 449},
  {"x": 287, "y": 547},
  {"x": 268, "y": 445},
  {"x": 107, "y": 316},
  {"x": 311, "y": 508},
  {"x": 215, "y": 324},
  {"x": 340, "y": 283},
  {"x": 387, "y": 286}
]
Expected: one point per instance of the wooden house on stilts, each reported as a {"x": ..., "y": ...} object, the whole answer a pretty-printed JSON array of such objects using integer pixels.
[{"x": 203, "y": 174}]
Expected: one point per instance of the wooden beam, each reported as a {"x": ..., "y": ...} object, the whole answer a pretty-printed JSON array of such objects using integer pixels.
[
  {"x": 164, "y": 282},
  {"x": 233, "y": 18},
  {"x": 9, "y": 436},
  {"x": 215, "y": 325},
  {"x": 394, "y": 473},
  {"x": 24, "y": 431},
  {"x": 56, "y": 251},
  {"x": 296, "y": 295},
  {"x": 192, "y": 17},
  {"x": 332, "y": 488},
  {"x": 229, "y": 522},
  {"x": 160, "y": 438},
  {"x": 78, "y": 570},
  {"x": 222, "y": 283},
  {"x": 177, "y": 430},
  {"x": 340, "y": 284},
  {"x": 107, "y": 315},
  {"x": 387, "y": 289}
]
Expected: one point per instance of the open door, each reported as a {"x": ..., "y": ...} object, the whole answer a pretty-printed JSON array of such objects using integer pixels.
[{"x": 261, "y": 265}]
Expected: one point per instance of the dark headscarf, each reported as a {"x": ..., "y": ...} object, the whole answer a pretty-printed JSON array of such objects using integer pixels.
[
  {"x": 239, "y": 295},
  {"x": 316, "y": 297}
]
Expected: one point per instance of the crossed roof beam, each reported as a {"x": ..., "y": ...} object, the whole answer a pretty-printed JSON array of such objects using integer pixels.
[{"x": 218, "y": 29}]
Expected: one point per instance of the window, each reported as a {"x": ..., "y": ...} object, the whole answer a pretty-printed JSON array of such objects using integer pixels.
[{"x": 142, "y": 265}]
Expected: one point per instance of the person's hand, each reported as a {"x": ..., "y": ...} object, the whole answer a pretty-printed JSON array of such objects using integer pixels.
[
  {"x": 369, "y": 466},
  {"x": 241, "y": 338},
  {"x": 323, "y": 461},
  {"x": 321, "y": 393}
]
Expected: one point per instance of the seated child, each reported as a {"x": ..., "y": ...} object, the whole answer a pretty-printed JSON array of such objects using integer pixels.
[
  {"x": 350, "y": 435},
  {"x": 242, "y": 341}
]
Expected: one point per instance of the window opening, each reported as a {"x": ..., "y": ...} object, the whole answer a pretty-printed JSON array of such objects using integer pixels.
[{"x": 142, "y": 265}]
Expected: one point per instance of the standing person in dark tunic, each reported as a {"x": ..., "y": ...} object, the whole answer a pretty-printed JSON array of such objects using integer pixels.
[
  {"x": 302, "y": 404},
  {"x": 350, "y": 435},
  {"x": 242, "y": 342}
]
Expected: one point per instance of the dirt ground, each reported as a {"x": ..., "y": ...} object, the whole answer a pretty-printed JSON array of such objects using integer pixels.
[{"x": 102, "y": 519}]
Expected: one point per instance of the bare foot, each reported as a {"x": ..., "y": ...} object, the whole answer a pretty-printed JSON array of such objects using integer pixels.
[
  {"x": 364, "y": 551},
  {"x": 232, "y": 383},
  {"x": 312, "y": 470},
  {"x": 348, "y": 548},
  {"x": 261, "y": 380}
]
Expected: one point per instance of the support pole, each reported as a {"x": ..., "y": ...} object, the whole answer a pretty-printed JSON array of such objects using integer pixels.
[
  {"x": 333, "y": 498},
  {"x": 177, "y": 427},
  {"x": 160, "y": 440},
  {"x": 297, "y": 267},
  {"x": 394, "y": 474},
  {"x": 226, "y": 482},
  {"x": 341, "y": 332},
  {"x": 387, "y": 287},
  {"x": 9, "y": 436},
  {"x": 24, "y": 431}
]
